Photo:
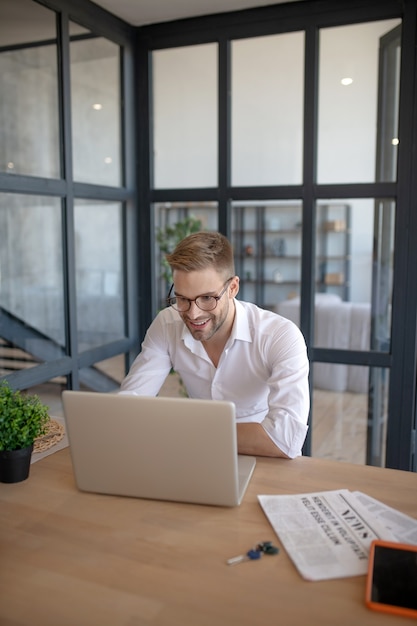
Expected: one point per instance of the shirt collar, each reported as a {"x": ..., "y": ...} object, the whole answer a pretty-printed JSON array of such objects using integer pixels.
[{"x": 241, "y": 330}]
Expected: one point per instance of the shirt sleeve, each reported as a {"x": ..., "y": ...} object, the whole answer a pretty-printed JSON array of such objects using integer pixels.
[
  {"x": 289, "y": 394},
  {"x": 152, "y": 365}
]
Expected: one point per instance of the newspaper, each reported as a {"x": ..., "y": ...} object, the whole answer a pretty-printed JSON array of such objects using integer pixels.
[
  {"x": 327, "y": 534},
  {"x": 402, "y": 526}
]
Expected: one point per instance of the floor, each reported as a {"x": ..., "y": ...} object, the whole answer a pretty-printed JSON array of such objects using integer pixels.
[{"x": 340, "y": 425}]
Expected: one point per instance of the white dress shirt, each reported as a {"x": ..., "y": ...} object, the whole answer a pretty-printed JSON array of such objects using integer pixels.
[{"x": 263, "y": 369}]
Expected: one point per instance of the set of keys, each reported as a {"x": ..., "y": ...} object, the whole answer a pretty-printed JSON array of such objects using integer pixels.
[{"x": 266, "y": 547}]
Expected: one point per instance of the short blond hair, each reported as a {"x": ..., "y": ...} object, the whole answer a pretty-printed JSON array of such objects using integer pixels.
[{"x": 202, "y": 250}]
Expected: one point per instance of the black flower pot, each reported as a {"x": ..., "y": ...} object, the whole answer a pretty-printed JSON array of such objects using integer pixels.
[{"x": 15, "y": 464}]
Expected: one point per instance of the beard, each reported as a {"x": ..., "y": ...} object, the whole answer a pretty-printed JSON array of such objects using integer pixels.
[{"x": 206, "y": 325}]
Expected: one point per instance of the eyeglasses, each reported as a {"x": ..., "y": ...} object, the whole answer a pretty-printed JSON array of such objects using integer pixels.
[{"x": 205, "y": 303}]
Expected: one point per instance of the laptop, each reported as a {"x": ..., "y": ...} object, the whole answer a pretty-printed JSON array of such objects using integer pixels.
[{"x": 177, "y": 449}]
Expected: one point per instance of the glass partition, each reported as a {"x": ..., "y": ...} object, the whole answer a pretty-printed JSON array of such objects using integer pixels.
[
  {"x": 267, "y": 240},
  {"x": 104, "y": 375},
  {"x": 185, "y": 112},
  {"x": 31, "y": 276},
  {"x": 95, "y": 108},
  {"x": 267, "y": 110},
  {"x": 349, "y": 89},
  {"x": 351, "y": 426},
  {"x": 354, "y": 271},
  {"x": 29, "y": 114},
  {"x": 54, "y": 281},
  {"x": 99, "y": 272},
  {"x": 50, "y": 394},
  {"x": 113, "y": 368}
]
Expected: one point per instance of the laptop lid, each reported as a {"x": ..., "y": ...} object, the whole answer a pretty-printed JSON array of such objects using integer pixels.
[{"x": 178, "y": 449}]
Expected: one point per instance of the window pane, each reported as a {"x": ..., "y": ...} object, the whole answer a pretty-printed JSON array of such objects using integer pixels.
[
  {"x": 351, "y": 426},
  {"x": 334, "y": 243},
  {"x": 31, "y": 286},
  {"x": 185, "y": 127},
  {"x": 173, "y": 222},
  {"x": 104, "y": 376},
  {"x": 267, "y": 110},
  {"x": 267, "y": 240},
  {"x": 96, "y": 110},
  {"x": 339, "y": 425},
  {"x": 29, "y": 132},
  {"x": 99, "y": 272},
  {"x": 113, "y": 368},
  {"x": 349, "y": 149},
  {"x": 354, "y": 268},
  {"x": 49, "y": 393}
]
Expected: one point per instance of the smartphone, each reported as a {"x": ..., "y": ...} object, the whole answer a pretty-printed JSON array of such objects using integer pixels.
[{"x": 391, "y": 584}]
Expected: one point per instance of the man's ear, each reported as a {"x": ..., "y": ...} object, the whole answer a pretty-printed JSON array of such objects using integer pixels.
[{"x": 234, "y": 286}]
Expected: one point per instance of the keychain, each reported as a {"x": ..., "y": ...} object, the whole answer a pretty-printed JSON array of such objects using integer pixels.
[{"x": 267, "y": 547}]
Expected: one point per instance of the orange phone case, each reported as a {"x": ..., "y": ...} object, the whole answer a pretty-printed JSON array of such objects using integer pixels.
[{"x": 379, "y": 606}]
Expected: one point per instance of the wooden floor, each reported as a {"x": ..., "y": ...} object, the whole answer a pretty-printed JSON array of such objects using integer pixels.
[{"x": 340, "y": 425}]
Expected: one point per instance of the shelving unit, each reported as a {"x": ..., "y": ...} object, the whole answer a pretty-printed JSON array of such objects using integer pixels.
[
  {"x": 333, "y": 249},
  {"x": 268, "y": 240}
]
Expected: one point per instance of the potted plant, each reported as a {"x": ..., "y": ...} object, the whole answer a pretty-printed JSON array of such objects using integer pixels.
[{"x": 23, "y": 418}]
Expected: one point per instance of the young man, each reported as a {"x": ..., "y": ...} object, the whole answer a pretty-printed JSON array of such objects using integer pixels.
[{"x": 226, "y": 349}]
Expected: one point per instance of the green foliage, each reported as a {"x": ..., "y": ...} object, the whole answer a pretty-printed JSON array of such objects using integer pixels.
[
  {"x": 23, "y": 418},
  {"x": 168, "y": 238}
]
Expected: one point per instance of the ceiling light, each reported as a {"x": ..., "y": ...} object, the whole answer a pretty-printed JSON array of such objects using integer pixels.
[
  {"x": 395, "y": 141},
  {"x": 97, "y": 106},
  {"x": 347, "y": 81}
]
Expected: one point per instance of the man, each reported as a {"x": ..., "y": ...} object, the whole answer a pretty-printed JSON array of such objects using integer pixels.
[{"x": 225, "y": 349}]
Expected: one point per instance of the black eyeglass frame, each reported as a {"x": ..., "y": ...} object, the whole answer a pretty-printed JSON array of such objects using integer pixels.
[{"x": 215, "y": 298}]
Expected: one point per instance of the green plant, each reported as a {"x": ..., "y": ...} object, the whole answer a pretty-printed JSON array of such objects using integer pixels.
[
  {"x": 168, "y": 238},
  {"x": 23, "y": 418}
]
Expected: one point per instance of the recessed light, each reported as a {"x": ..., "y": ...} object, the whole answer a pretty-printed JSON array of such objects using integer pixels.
[
  {"x": 108, "y": 160},
  {"x": 97, "y": 106},
  {"x": 395, "y": 141},
  {"x": 346, "y": 81}
]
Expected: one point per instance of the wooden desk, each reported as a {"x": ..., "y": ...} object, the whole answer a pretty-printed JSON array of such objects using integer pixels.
[{"x": 74, "y": 559}]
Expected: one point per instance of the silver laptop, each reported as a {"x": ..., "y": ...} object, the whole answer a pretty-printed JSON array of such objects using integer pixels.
[{"x": 178, "y": 449}]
